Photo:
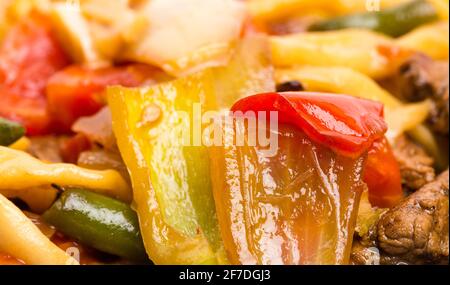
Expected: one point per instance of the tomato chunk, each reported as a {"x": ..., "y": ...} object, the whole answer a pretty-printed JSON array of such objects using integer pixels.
[
  {"x": 382, "y": 176},
  {"x": 29, "y": 55},
  {"x": 77, "y": 91}
]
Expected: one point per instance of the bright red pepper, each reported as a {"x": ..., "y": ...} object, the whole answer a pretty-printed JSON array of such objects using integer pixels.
[
  {"x": 77, "y": 91},
  {"x": 29, "y": 55},
  {"x": 345, "y": 124},
  {"x": 348, "y": 125},
  {"x": 300, "y": 205},
  {"x": 382, "y": 176}
]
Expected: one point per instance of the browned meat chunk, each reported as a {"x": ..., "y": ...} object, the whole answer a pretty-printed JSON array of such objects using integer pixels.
[
  {"x": 416, "y": 231},
  {"x": 364, "y": 254},
  {"x": 420, "y": 78},
  {"x": 415, "y": 165}
]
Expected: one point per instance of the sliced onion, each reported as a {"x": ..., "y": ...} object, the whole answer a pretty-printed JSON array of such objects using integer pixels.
[
  {"x": 46, "y": 148},
  {"x": 98, "y": 129},
  {"x": 102, "y": 160}
]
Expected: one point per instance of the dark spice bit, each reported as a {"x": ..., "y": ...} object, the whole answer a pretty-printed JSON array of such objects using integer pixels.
[{"x": 292, "y": 85}]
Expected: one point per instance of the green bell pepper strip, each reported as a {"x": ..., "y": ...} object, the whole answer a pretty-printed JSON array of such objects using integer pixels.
[
  {"x": 171, "y": 179},
  {"x": 10, "y": 132},
  {"x": 393, "y": 22},
  {"x": 98, "y": 221}
]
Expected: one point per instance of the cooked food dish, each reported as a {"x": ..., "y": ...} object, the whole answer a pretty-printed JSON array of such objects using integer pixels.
[{"x": 249, "y": 132}]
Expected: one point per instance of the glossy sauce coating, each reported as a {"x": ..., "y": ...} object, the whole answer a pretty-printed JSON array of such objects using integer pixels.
[{"x": 298, "y": 207}]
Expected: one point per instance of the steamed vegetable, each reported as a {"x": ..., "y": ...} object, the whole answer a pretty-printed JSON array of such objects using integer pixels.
[
  {"x": 393, "y": 22},
  {"x": 10, "y": 132},
  {"x": 22, "y": 171},
  {"x": 91, "y": 36},
  {"x": 210, "y": 29},
  {"x": 97, "y": 128},
  {"x": 21, "y": 144},
  {"x": 76, "y": 91},
  {"x": 170, "y": 175},
  {"x": 73, "y": 32},
  {"x": 368, "y": 215},
  {"x": 38, "y": 198},
  {"x": 300, "y": 205},
  {"x": 431, "y": 39},
  {"x": 98, "y": 221},
  {"x": 103, "y": 159},
  {"x": 266, "y": 10},
  {"x": 29, "y": 56},
  {"x": 345, "y": 124},
  {"x": 365, "y": 51},
  {"x": 23, "y": 240},
  {"x": 399, "y": 117},
  {"x": 441, "y": 7},
  {"x": 381, "y": 170}
]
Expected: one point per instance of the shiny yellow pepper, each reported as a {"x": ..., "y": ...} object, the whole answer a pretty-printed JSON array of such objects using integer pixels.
[
  {"x": 169, "y": 169},
  {"x": 20, "y": 171}
]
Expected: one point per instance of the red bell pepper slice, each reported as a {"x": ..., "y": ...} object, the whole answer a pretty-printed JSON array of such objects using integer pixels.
[
  {"x": 345, "y": 124},
  {"x": 29, "y": 55}
]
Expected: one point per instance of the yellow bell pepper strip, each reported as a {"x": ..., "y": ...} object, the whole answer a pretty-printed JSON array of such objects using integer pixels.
[
  {"x": 340, "y": 80},
  {"x": 399, "y": 117},
  {"x": 38, "y": 199},
  {"x": 432, "y": 39},
  {"x": 441, "y": 7},
  {"x": 266, "y": 10},
  {"x": 21, "y": 144},
  {"x": 368, "y": 52},
  {"x": 425, "y": 137},
  {"x": 171, "y": 182},
  {"x": 19, "y": 170},
  {"x": 406, "y": 118},
  {"x": 23, "y": 240},
  {"x": 393, "y": 22}
]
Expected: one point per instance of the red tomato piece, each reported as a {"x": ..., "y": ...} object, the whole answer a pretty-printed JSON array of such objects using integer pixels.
[
  {"x": 29, "y": 55},
  {"x": 77, "y": 91},
  {"x": 345, "y": 124}
]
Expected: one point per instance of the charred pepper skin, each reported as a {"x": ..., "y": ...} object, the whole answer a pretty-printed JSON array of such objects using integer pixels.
[
  {"x": 101, "y": 222},
  {"x": 393, "y": 22},
  {"x": 10, "y": 132}
]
